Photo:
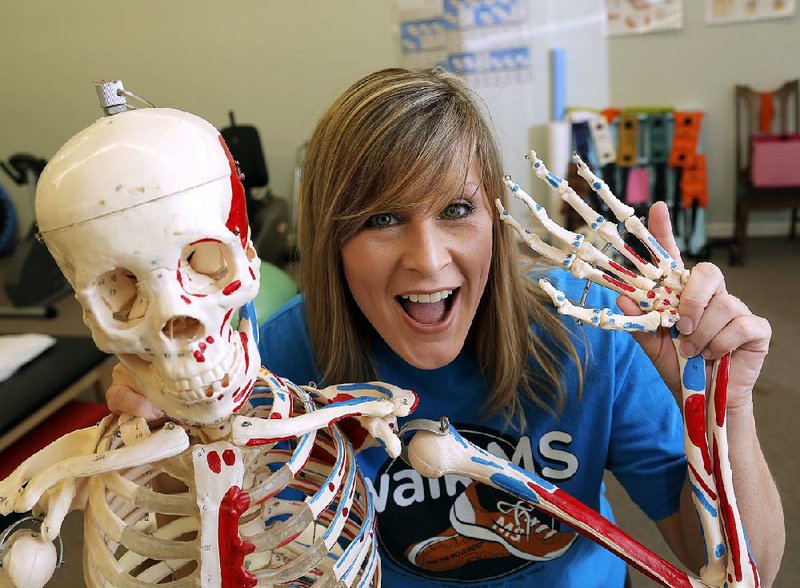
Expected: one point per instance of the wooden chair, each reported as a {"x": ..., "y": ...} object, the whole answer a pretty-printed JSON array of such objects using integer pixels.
[{"x": 786, "y": 114}]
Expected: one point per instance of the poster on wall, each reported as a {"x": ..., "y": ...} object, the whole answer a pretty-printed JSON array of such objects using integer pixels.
[
  {"x": 727, "y": 11},
  {"x": 484, "y": 41},
  {"x": 629, "y": 17}
]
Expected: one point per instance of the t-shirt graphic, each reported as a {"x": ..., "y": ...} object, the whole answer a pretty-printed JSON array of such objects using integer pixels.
[{"x": 458, "y": 529}]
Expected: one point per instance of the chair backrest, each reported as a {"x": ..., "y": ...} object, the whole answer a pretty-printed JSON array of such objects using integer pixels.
[{"x": 783, "y": 104}]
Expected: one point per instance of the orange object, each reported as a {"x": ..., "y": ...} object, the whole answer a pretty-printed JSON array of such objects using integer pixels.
[
  {"x": 766, "y": 112},
  {"x": 694, "y": 183},
  {"x": 611, "y": 114},
  {"x": 627, "y": 140},
  {"x": 685, "y": 138}
]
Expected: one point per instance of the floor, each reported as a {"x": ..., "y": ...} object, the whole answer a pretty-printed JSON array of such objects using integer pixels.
[{"x": 769, "y": 284}]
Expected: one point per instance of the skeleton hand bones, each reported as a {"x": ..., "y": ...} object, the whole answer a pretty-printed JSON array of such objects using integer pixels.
[{"x": 716, "y": 323}]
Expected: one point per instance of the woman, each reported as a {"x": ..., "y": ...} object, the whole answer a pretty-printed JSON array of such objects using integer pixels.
[{"x": 409, "y": 277}]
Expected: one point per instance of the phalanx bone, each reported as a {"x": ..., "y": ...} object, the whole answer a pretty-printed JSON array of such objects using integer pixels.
[{"x": 656, "y": 286}]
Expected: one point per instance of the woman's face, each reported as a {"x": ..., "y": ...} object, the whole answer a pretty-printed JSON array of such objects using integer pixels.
[{"x": 419, "y": 275}]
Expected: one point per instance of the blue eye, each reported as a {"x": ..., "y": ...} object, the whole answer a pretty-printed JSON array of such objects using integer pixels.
[
  {"x": 457, "y": 210},
  {"x": 381, "y": 220}
]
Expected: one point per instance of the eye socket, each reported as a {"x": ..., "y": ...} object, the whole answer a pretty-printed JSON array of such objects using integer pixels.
[
  {"x": 120, "y": 293},
  {"x": 204, "y": 268}
]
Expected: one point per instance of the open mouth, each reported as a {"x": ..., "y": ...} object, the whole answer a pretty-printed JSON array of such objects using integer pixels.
[{"x": 428, "y": 309}]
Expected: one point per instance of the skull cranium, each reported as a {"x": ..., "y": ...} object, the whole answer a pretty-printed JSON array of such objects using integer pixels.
[{"x": 159, "y": 188}]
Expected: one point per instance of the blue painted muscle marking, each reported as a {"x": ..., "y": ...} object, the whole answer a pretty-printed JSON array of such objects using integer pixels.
[
  {"x": 515, "y": 487},
  {"x": 719, "y": 551},
  {"x": 701, "y": 497},
  {"x": 457, "y": 436},
  {"x": 694, "y": 374},
  {"x": 351, "y": 402},
  {"x": 486, "y": 462},
  {"x": 658, "y": 247},
  {"x": 356, "y": 387},
  {"x": 632, "y": 327},
  {"x": 597, "y": 185}
]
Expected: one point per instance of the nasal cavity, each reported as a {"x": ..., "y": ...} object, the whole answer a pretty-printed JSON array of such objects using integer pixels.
[{"x": 182, "y": 328}]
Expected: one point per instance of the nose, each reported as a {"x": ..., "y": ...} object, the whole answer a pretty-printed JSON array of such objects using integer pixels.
[
  {"x": 426, "y": 248},
  {"x": 182, "y": 328}
]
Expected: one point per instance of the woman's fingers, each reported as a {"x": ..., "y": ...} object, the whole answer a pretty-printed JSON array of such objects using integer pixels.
[
  {"x": 123, "y": 396},
  {"x": 660, "y": 226},
  {"x": 721, "y": 310},
  {"x": 123, "y": 400},
  {"x": 705, "y": 282}
]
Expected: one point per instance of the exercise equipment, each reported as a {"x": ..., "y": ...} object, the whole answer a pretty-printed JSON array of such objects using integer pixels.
[{"x": 33, "y": 280}]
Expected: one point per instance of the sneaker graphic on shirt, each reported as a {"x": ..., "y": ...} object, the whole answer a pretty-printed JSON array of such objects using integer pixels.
[
  {"x": 449, "y": 550},
  {"x": 479, "y": 514}
]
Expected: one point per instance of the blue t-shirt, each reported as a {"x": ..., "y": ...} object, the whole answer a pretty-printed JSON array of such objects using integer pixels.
[{"x": 452, "y": 531}]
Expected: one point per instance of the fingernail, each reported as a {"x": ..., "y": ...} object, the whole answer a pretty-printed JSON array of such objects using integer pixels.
[
  {"x": 688, "y": 349},
  {"x": 155, "y": 414},
  {"x": 686, "y": 326}
]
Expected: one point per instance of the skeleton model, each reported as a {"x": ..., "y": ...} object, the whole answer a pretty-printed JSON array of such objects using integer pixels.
[{"x": 144, "y": 212}]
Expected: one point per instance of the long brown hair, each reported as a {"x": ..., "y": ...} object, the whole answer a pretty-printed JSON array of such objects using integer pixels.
[{"x": 393, "y": 140}]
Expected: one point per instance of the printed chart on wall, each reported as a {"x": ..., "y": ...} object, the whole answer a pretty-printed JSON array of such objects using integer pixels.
[
  {"x": 629, "y": 17},
  {"x": 726, "y": 11},
  {"x": 485, "y": 41}
]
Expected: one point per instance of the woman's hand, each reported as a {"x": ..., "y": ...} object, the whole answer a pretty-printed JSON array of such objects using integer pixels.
[
  {"x": 124, "y": 397},
  {"x": 713, "y": 322}
]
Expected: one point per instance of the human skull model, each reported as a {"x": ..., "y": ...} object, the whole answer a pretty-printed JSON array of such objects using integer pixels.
[
  {"x": 160, "y": 299},
  {"x": 144, "y": 211}
]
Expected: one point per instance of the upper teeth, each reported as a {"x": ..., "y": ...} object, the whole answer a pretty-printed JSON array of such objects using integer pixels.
[{"x": 435, "y": 297}]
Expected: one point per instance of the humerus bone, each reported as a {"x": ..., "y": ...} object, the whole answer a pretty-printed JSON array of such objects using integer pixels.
[{"x": 437, "y": 454}]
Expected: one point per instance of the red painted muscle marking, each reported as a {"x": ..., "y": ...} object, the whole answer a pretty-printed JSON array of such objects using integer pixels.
[
  {"x": 231, "y": 288},
  {"x": 232, "y": 549},
  {"x": 728, "y": 518},
  {"x": 243, "y": 337},
  {"x": 214, "y": 463},
  {"x": 252, "y": 274},
  {"x": 617, "y": 267},
  {"x": 245, "y": 396},
  {"x": 185, "y": 299},
  {"x": 341, "y": 397},
  {"x": 651, "y": 294},
  {"x": 721, "y": 389},
  {"x": 694, "y": 413},
  {"x": 237, "y": 217},
  {"x": 634, "y": 254},
  {"x": 198, "y": 355},
  {"x": 225, "y": 320},
  {"x": 229, "y": 457},
  {"x": 618, "y": 284},
  {"x": 210, "y": 339},
  {"x": 700, "y": 481},
  {"x": 659, "y": 570}
]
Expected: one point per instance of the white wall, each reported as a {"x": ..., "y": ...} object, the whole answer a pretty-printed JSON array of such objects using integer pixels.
[
  {"x": 276, "y": 63},
  {"x": 697, "y": 67}
]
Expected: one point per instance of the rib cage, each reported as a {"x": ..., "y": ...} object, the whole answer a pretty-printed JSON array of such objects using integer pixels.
[{"x": 310, "y": 519}]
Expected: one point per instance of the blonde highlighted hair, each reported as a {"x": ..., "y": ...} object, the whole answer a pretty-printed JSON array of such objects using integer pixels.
[{"x": 394, "y": 140}]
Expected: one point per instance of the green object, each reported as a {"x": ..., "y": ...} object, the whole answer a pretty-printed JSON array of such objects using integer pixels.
[{"x": 276, "y": 289}]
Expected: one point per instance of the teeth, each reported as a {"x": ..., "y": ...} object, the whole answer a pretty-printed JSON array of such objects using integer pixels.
[{"x": 435, "y": 297}]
